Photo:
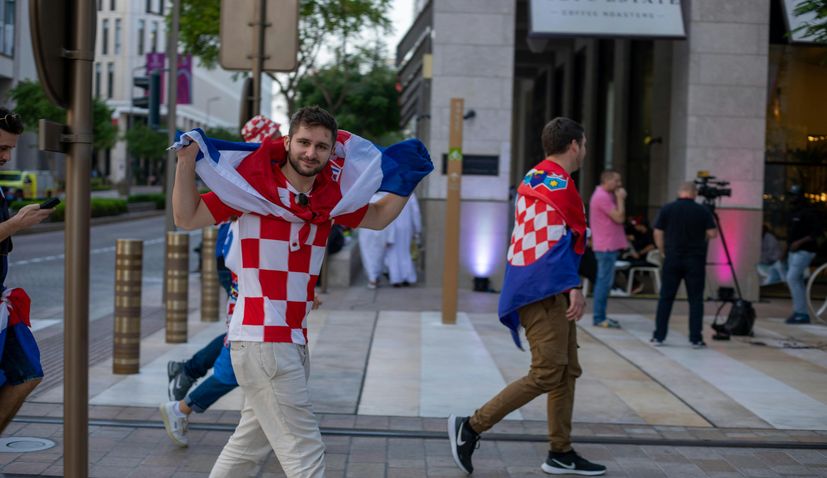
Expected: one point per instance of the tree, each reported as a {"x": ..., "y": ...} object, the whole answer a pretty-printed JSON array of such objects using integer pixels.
[
  {"x": 32, "y": 105},
  {"x": 817, "y": 28},
  {"x": 148, "y": 147},
  {"x": 224, "y": 133},
  {"x": 371, "y": 107},
  {"x": 321, "y": 22}
]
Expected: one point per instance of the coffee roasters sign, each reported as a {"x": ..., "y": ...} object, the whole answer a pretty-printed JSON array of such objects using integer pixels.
[{"x": 607, "y": 18}]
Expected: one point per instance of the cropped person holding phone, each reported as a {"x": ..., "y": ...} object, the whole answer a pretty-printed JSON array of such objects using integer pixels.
[{"x": 20, "y": 369}]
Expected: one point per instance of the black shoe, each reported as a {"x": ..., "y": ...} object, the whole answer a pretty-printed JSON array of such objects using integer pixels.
[
  {"x": 570, "y": 463},
  {"x": 179, "y": 382},
  {"x": 463, "y": 442}
]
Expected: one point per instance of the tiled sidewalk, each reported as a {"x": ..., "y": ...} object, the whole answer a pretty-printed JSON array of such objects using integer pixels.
[{"x": 126, "y": 451}]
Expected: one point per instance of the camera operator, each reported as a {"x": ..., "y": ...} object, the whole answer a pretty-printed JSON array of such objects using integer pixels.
[
  {"x": 682, "y": 230},
  {"x": 803, "y": 230}
]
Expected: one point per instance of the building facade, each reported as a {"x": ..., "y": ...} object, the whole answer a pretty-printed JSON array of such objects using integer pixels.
[
  {"x": 724, "y": 91},
  {"x": 127, "y": 32}
]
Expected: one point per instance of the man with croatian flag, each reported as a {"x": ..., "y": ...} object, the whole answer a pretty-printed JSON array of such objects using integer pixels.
[
  {"x": 541, "y": 293},
  {"x": 286, "y": 193}
]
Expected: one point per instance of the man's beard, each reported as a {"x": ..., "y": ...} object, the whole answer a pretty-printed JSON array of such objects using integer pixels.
[{"x": 296, "y": 164}]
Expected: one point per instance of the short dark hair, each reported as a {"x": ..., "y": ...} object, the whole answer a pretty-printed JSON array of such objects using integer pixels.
[
  {"x": 608, "y": 174},
  {"x": 10, "y": 122},
  {"x": 313, "y": 116},
  {"x": 559, "y": 133}
]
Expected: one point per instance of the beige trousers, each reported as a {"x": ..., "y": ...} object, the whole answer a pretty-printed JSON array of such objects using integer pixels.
[
  {"x": 554, "y": 368},
  {"x": 277, "y": 413}
]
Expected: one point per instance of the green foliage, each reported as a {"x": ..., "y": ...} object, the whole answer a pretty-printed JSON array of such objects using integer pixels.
[
  {"x": 224, "y": 133},
  {"x": 321, "y": 23},
  {"x": 817, "y": 29},
  {"x": 364, "y": 100},
  {"x": 158, "y": 198},
  {"x": 100, "y": 207},
  {"x": 32, "y": 105},
  {"x": 99, "y": 184},
  {"x": 143, "y": 142}
]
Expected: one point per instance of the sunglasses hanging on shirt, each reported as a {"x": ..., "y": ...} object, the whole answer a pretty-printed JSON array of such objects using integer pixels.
[{"x": 302, "y": 199}]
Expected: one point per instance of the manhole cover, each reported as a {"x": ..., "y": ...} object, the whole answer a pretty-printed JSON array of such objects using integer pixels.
[{"x": 24, "y": 444}]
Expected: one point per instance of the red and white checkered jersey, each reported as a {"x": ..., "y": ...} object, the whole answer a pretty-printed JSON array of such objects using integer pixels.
[
  {"x": 280, "y": 264},
  {"x": 538, "y": 226}
]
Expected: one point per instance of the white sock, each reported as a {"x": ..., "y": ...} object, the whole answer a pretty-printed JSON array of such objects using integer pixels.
[{"x": 176, "y": 409}]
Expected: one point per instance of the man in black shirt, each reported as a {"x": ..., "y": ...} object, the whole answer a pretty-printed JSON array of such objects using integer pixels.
[
  {"x": 803, "y": 230},
  {"x": 682, "y": 230}
]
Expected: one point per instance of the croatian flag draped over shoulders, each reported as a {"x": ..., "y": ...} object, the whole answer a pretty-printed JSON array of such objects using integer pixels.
[
  {"x": 241, "y": 174},
  {"x": 548, "y": 240}
]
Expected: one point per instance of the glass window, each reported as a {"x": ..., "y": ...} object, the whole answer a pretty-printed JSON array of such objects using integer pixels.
[
  {"x": 100, "y": 5},
  {"x": 141, "y": 34},
  {"x": 117, "y": 36},
  {"x": 105, "y": 37},
  {"x": 112, "y": 5},
  {"x": 110, "y": 79},
  {"x": 153, "y": 38},
  {"x": 7, "y": 8},
  {"x": 97, "y": 80}
]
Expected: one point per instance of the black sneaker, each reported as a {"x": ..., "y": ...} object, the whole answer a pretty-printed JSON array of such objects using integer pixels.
[
  {"x": 463, "y": 442},
  {"x": 570, "y": 463},
  {"x": 179, "y": 382},
  {"x": 700, "y": 344}
]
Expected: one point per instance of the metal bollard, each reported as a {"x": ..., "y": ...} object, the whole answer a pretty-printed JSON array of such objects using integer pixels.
[
  {"x": 177, "y": 286},
  {"x": 126, "y": 350},
  {"x": 209, "y": 275}
]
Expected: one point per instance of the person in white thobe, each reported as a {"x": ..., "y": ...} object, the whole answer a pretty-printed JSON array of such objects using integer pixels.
[
  {"x": 372, "y": 248},
  {"x": 401, "y": 232}
]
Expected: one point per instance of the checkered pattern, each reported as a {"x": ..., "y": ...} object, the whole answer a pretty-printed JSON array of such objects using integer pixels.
[
  {"x": 259, "y": 128},
  {"x": 280, "y": 264},
  {"x": 537, "y": 228}
]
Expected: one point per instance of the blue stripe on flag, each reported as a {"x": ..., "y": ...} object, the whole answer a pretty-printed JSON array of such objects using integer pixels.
[{"x": 403, "y": 166}]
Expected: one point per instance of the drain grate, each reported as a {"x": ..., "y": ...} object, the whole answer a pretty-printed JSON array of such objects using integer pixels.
[{"x": 24, "y": 444}]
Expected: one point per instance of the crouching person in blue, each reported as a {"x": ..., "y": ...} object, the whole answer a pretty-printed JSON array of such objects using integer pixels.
[
  {"x": 20, "y": 369},
  {"x": 541, "y": 293}
]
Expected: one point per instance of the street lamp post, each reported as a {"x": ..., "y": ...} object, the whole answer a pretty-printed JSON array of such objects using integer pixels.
[{"x": 209, "y": 102}]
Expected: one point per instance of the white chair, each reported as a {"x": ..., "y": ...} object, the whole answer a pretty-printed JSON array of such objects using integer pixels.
[{"x": 653, "y": 257}]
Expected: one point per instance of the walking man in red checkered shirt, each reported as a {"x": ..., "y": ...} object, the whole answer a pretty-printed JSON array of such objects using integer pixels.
[{"x": 281, "y": 260}]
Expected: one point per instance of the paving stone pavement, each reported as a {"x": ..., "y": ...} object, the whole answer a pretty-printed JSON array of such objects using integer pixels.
[{"x": 126, "y": 441}]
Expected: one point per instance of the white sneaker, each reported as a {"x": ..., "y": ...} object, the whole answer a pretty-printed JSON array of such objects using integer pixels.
[
  {"x": 372, "y": 285},
  {"x": 176, "y": 426},
  {"x": 618, "y": 293}
]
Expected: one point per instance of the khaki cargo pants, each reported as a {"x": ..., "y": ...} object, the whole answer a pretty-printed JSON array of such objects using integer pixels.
[{"x": 554, "y": 369}]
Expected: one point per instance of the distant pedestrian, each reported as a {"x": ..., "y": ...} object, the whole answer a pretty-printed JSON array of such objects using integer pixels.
[
  {"x": 541, "y": 293},
  {"x": 771, "y": 266},
  {"x": 803, "y": 230},
  {"x": 607, "y": 214},
  {"x": 682, "y": 230},
  {"x": 20, "y": 369},
  {"x": 373, "y": 247},
  {"x": 404, "y": 231}
]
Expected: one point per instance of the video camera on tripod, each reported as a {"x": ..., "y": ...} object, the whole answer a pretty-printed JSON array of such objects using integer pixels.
[
  {"x": 742, "y": 315},
  {"x": 711, "y": 188}
]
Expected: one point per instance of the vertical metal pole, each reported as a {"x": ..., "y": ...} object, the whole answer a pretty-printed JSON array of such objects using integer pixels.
[
  {"x": 172, "y": 99},
  {"x": 76, "y": 264},
  {"x": 260, "y": 24},
  {"x": 452, "y": 214}
]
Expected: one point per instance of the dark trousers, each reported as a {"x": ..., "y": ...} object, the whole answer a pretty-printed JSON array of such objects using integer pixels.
[
  {"x": 203, "y": 360},
  {"x": 691, "y": 269}
]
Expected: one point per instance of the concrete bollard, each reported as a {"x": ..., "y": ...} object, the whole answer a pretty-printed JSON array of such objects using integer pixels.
[
  {"x": 126, "y": 350},
  {"x": 209, "y": 275},
  {"x": 177, "y": 286}
]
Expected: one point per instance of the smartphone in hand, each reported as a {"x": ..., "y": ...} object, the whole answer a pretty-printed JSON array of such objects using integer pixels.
[{"x": 49, "y": 203}]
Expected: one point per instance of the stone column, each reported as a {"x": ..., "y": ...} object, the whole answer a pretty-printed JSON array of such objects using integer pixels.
[{"x": 717, "y": 123}]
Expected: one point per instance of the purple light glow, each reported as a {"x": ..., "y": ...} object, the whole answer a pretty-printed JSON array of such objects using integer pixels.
[
  {"x": 483, "y": 235},
  {"x": 736, "y": 228}
]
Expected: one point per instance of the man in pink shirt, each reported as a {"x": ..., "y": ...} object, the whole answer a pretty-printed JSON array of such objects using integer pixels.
[{"x": 607, "y": 212}]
